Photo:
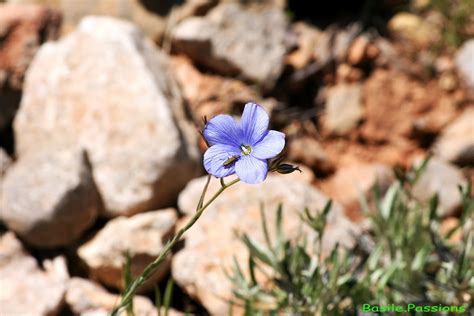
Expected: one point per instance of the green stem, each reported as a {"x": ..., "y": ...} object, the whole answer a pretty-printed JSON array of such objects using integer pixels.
[{"x": 151, "y": 268}]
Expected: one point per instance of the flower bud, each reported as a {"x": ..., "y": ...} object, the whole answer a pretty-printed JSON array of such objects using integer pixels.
[{"x": 285, "y": 168}]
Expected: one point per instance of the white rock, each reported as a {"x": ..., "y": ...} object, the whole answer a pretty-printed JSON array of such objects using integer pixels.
[
  {"x": 142, "y": 235},
  {"x": 443, "y": 179},
  {"x": 26, "y": 289},
  {"x": 108, "y": 90},
  {"x": 50, "y": 198},
  {"x": 465, "y": 62},
  {"x": 343, "y": 108},
  {"x": 212, "y": 243},
  {"x": 231, "y": 41},
  {"x": 456, "y": 143}
]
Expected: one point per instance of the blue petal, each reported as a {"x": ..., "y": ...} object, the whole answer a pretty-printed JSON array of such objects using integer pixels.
[
  {"x": 270, "y": 146},
  {"x": 254, "y": 123},
  {"x": 223, "y": 129},
  {"x": 251, "y": 170},
  {"x": 215, "y": 157}
]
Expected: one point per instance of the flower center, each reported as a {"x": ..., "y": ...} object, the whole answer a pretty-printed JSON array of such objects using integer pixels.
[{"x": 245, "y": 149}]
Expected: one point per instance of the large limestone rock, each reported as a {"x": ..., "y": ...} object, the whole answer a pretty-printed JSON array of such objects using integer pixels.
[
  {"x": 443, "y": 179},
  {"x": 456, "y": 143},
  {"x": 85, "y": 297},
  {"x": 142, "y": 236},
  {"x": 212, "y": 243},
  {"x": 26, "y": 289},
  {"x": 50, "y": 198},
  {"x": 108, "y": 90},
  {"x": 235, "y": 41}
]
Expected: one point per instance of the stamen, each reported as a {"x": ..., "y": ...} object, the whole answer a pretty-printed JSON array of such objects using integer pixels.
[{"x": 245, "y": 149}]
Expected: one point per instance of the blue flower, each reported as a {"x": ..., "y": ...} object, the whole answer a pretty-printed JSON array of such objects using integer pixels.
[{"x": 241, "y": 147}]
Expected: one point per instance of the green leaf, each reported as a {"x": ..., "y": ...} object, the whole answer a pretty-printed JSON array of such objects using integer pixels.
[
  {"x": 259, "y": 251},
  {"x": 420, "y": 259},
  {"x": 388, "y": 201},
  {"x": 168, "y": 295},
  {"x": 158, "y": 300},
  {"x": 265, "y": 227},
  {"x": 128, "y": 279},
  {"x": 419, "y": 170},
  {"x": 279, "y": 231},
  {"x": 434, "y": 201}
]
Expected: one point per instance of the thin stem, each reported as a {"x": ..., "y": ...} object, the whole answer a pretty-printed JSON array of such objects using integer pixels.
[{"x": 151, "y": 268}]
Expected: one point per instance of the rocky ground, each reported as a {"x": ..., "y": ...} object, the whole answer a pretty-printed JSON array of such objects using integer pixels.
[{"x": 100, "y": 152}]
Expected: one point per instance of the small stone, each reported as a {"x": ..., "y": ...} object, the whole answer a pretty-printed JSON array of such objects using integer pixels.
[
  {"x": 85, "y": 297},
  {"x": 410, "y": 27},
  {"x": 26, "y": 288},
  {"x": 342, "y": 41},
  {"x": 348, "y": 74},
  {"x": 447, "y": 82},
  {"x": 143, "y": 236},
  {"x": 444, "y": 64},
  {"x": 447, "y": 225},
  {"x": 212, "y": 243},
  {"x": 109, "y": 90},
  {"x": 343, "y": 108},
  {"x": 456, "y": 142},
  {"x": 234, "y": 41},
  {"x": 465, "y": 63},
  {"x": 357, "y": 51},
  {"x": 50, "y": 199},
  {"x": 443, "y": 179},
  {"x": 308, "y": 37}
]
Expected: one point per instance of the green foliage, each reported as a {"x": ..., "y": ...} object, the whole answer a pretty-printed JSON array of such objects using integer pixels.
[
  {"x": 127, "y": 279},
  {"x": 163, "y": 303},
  {"x": 458, "y": 16},
  {"x": 402, "y": 258}
]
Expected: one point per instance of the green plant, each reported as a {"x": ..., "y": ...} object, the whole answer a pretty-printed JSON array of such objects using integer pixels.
[
  {"x": 403, "y": 258},
  {"x": 458, "y": 20}
]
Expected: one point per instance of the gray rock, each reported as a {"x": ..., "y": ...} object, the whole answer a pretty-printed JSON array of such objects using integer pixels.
[
  {"x": 26, "y": 288},
  {"x": 456, "y": 142},
  {"x": 343, "y": 108},
  {"x": 108, "y": 90},
  {"x": 85, "y": 297},
  {"x": 443, "y": 179},
  {"x": 234, "y": 41},
  {"x": 49, "y": 199},
  {"x": 142, "y": 235},
  {"x": 465, "y": 62},
  {"x": 212, "y": 243}
]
